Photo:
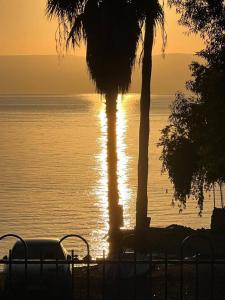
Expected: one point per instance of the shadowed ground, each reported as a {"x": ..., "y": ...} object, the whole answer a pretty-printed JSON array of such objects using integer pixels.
[
  {"x": 151, "y": 285},
  {"x": 198, "y": 281}
]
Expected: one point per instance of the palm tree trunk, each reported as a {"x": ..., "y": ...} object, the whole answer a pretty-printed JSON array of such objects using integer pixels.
[
  {"x": 144, "y": 130},
  {"x": 115, "y": 215}
]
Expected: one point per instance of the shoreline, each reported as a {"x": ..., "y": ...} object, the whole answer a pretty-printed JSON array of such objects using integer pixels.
[{"x": 168, "y": 241}]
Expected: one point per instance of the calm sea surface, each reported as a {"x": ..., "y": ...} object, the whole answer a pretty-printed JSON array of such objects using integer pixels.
[{"x": 53, "y": 178}]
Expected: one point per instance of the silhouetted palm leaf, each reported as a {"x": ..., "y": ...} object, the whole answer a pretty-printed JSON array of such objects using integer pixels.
[
  {"x": 111, "y": 42},
  {"x": 111, "y": 30},
  {"x": 111, "y": 56},
  {"x": 76, "y": 33},
  {"x": 65, "y": 8}
]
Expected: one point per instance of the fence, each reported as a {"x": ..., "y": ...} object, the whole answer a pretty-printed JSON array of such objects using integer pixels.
[{"x": 129, "y": 276}]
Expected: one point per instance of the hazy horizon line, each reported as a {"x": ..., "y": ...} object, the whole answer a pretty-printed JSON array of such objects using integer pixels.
[
  {"x": 81, "y": 56},
  {"x": 72, "y": 95}
]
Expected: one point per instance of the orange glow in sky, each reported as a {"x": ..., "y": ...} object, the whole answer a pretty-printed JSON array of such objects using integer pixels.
[{"x": 25, "y": 30}]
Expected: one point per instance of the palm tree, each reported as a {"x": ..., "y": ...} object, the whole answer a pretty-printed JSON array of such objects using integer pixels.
[
  {"x": 151, "y": 13},
  {"x": 111, "y": 32}
]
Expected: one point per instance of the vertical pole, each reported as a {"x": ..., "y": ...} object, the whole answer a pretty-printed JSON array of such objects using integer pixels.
[
  {"x": 41, "y": 269},
  {"x": 212, "y": 276},
  {"x": 103, "y": 281},
  {"x": 150, "y": 274},
  {"x": 196, "y": 278},
  {"x": 10, "y": 270},
  {"x": 88, "y": 276},
  {"x": 57, "y": 269},
  {"x": 181, "y": 277},
  {"x": 166, "y": 275},
  {"x": 26, "y": 274},
  {"x": 119, "y": 277},
  {"x": 57, "y": 266},
  {"x": 221, "y": 194},
  {"x": 72, "y": 283},
  {"x": 214, "y": 196},
  {"x": 135, "y": 275}
]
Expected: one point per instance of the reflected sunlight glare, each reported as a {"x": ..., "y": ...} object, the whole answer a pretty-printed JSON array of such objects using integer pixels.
[
  {"x": 123, "y": 159},
  {"x": 102, "y": 185},
  {"x": 122, "y": 168}
]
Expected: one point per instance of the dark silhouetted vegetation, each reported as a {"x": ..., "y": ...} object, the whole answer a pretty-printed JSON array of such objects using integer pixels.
[
  {"x": 112, "y": 31},
  {"x": 194, "y": 141}
]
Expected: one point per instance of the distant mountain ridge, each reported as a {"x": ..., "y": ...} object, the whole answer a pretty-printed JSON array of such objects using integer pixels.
[{"x": 69, "y": 75}]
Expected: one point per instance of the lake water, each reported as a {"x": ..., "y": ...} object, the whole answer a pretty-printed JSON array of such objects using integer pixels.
[{"x": 54, "y": 171}]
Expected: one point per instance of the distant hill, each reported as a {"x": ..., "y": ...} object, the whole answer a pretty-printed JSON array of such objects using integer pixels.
[{"x": 68, "y": 75}]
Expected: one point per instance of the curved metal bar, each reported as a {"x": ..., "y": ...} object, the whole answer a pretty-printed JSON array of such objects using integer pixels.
[
  {"x": 24, "y": 245},
  {"x": 183, "y": 243},
  {"x": 79, "y": 237},
  {"x": 17, "y": 237},
  {"x": 196, "y": 236},
  {"x": 88, "y": 256}
]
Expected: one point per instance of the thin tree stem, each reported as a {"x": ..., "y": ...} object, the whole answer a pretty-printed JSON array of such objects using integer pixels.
[{"x": 144, "y": 130}]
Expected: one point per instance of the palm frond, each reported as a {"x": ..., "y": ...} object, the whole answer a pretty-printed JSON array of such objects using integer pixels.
[
  {"x": 111, "y": 45},
  {"x": 153, "y": 10},
  {"x": 76, "y": 33},
  {"x": 64, "y": 8},
  {"x": 112, "y": 31}
]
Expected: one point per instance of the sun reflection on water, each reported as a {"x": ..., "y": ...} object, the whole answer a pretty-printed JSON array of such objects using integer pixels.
[
  {"x": 123, "y": 159},
  {"x": 101, "y": 191},
  {"x": 122, "y": 169}
]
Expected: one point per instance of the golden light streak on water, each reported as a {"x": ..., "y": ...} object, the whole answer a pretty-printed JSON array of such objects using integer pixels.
[
  {"x": 123, "y": 160},
  {"x": 122, "y": 167},
  {"x": 102, "y": 158},
  {"x": 101, "y": 191}
]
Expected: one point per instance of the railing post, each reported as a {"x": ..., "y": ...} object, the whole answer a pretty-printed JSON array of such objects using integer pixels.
[
  {"x": 212, "y": 255},
  {"x": 103, "y": 273},
  {"x": 150, "y": 274},
  {"x": 10, "y": 269},
  {"x": 181, "y": 270},
  {"x": 212, "y": 277},
  {"x": 135, "y": 275},
  {"x": 197, "y": 278},
  {"x": 118, "y": 279},
  {"x": 88, "y": 257},
  {"x": 10, "y": 253},
  {"x": 166, "y": 275},
  {"x": 72, "y": 283},
  {"x": 88, "y": 276},
  {"x": 41, "y": 269}
]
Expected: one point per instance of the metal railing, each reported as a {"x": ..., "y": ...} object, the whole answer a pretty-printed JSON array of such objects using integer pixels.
[{"x": 131, "y": 276}]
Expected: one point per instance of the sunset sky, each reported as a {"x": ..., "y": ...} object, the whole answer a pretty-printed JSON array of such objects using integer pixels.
[{"x": 25, "y": 30}]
